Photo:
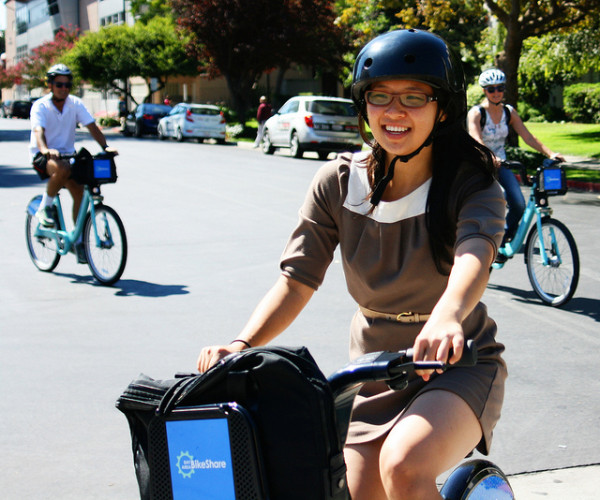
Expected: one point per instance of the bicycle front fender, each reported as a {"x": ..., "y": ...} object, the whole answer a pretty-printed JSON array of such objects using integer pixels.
[{"x": 34, "y": 205}]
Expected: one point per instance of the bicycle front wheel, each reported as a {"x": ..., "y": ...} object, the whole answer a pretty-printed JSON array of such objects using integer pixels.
[
  {"x": 477, "y": 480},
  {"x": 43, "y": 251},
  {"x": 555, "y": 280},
  {"x": 105, "y": 244}
]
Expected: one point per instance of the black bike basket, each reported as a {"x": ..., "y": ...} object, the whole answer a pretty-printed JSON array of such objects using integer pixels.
[
  {"x": 94, "y": 170},
  {"x": 282, "y": 434},
  {"x": 551, "y": 178}
]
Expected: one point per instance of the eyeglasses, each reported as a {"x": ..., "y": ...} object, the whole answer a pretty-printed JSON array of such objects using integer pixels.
[
  {"x": 491, "y": 89},
  {"x": 60, "y": 85},
  {"x": 409, "y": 99}
]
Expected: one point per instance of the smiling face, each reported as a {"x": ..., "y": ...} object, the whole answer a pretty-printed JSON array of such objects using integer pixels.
[
  {"x": 401, "y": 128},
  {"x": 494, "y": 93},
  {"x": 60, "y": 87}
]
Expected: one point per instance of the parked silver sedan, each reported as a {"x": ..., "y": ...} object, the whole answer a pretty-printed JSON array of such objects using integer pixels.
[
  {"x": 312, "y": 123},
  {"x": 199, "y": 121}
]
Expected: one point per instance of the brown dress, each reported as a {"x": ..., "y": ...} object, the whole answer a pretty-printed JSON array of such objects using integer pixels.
[{"x": 389, "y": 268}]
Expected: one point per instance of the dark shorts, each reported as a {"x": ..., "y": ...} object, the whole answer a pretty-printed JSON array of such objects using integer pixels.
[{"x": 39, "y": 165}]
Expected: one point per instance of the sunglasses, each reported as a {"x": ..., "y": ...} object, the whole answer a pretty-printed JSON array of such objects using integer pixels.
[
  {"x": 497, "y": 88},
  {"x": 60, "y": 85},
  {"x": 407, "y": 99}
]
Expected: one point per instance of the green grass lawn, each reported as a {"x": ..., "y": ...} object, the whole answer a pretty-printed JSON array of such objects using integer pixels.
[{"x": 574, "y": 139}]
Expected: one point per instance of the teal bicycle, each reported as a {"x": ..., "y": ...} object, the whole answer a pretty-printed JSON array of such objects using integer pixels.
[
  {"x": 550, "y": 251},
  {"x": 98, "y": 226}
]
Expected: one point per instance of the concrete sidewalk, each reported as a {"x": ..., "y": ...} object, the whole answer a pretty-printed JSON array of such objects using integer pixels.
[{"x": 574, "y": 483}]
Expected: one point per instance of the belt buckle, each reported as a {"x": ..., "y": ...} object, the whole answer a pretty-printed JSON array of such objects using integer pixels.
[{"x": 408, "y": 317}]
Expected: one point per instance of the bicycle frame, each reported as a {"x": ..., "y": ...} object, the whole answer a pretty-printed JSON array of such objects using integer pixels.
[
  {"x": 65, "y": 240},
  {"x": 535, "y": 208}
]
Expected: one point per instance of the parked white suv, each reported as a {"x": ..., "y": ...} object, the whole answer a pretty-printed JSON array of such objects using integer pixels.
[
  {"x": 313, "y": 123},
  {"x": 200, "y": 121}
]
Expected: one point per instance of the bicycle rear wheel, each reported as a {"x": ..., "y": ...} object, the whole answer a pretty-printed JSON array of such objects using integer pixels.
[
  {"x": 107, "y": 254},
  {"x": 477, "y": 480},
  {"x": 43, "y": 251},
  {"x": 556, "y": 281}
]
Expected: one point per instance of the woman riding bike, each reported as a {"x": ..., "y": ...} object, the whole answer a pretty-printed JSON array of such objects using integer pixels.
[
  {"x": 488, "y": 124},
  {"x": 418, "y": 222}
]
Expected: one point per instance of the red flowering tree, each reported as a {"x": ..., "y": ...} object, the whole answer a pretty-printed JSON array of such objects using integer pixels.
[{"x": 31, "y": 70}]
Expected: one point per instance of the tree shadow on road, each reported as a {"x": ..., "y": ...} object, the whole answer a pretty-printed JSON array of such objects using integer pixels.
[
  {"x": 131, "y": 288},
  {"x": 584, "y": 306}
]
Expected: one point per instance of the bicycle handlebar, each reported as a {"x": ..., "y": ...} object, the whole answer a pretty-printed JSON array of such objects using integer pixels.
[{"x": 388, "y": 366}]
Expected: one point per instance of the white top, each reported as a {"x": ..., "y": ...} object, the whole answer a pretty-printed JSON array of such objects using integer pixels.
[
  {"x": 59, "y": 128},
  {"x": 494, "y": 134},
  {"x": 359, "y": 188}
]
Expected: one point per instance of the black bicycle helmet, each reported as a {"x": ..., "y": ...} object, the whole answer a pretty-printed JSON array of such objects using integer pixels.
[
  {"x": 58, "y": 70},
  {"x": 410, "y": 55}
]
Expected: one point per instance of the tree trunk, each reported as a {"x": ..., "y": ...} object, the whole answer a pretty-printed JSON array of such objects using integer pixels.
[
  {"x": 508, "y": 61},
  {"x": 278, "y": 99},
  {"x": 241, "y": 90}
]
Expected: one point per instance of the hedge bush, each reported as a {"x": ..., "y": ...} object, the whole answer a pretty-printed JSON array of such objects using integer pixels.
[{"x": 582, "y": 102}]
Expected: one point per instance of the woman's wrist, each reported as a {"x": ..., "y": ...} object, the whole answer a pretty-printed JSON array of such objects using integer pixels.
[{"x": 246, "y": 344}]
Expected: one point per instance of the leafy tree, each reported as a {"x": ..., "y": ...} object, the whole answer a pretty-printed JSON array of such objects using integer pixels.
[
  {"x": 243, "y": 40},
  {"x": 556, "y": 59},
  {"x": 524, "y": 19},
  {"x": 145, "y": 10},
  {"x": 459, "y": 22},
  {"x": 152, "y": 51}
]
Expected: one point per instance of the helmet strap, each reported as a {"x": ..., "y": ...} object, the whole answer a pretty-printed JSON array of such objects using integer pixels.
[{"x": 382, "y": 184}]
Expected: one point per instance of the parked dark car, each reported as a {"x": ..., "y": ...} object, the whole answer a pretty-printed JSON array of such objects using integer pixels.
[
  {"x": 16, "y": 109},
  {"x": 144, "y": 119}
]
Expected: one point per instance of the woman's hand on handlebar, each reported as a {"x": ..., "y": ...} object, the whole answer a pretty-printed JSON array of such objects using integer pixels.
[
  {"x": 112, "y": 151},
  {"x": 211, "y": 355},
  {"x": 439, "y": 341}
]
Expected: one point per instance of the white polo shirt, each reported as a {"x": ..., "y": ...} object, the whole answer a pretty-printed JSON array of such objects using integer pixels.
[{"x": 59, "y": 128}]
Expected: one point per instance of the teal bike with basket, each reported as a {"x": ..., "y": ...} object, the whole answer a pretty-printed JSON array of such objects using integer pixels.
[
  {"x": 549, "y": 248},
  {"x": 98, "y": 227}
]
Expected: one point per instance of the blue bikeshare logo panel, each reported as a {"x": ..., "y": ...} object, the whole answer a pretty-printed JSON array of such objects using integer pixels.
[{"x": 200, "y": 459}]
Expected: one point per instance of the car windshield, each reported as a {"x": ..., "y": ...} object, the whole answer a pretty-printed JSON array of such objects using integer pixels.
[
  {"x": 200, "y": 110},
  {"x": 156, "y": 108},
  {"x": 334, "y": 108}
]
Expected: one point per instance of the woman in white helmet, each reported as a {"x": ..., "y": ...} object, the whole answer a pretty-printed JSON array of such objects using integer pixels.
[{"x": 488, "y": 123}]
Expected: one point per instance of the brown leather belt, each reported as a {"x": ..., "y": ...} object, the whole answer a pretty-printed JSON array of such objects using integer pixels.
[{"x": 403, "y": 317}]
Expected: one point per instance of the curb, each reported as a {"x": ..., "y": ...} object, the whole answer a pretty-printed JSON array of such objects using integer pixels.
[{"x": 588, "y": 187}]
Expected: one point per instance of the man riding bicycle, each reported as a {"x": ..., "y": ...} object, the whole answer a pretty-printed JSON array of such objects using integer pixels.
[{"x": 54, "y": 119}]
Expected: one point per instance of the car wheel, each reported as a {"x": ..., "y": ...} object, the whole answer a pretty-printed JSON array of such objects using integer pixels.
[
  {"x": 295, "y": 148},
  {"x": 161, "y": 134},
  {"x": 267, "y": 145},
  {"x": 179, "y": 135},
  {"x": 138, "y": 130}
]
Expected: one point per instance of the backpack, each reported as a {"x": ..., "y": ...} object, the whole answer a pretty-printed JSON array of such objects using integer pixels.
[
  {"x": 289, "y": 403},
  {"x": 483, "y": 114}
]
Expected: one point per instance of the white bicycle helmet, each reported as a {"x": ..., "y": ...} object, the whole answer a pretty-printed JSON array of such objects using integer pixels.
[
  {"x": 58, "y": 70},
  {"x": 492, "y": 77}
]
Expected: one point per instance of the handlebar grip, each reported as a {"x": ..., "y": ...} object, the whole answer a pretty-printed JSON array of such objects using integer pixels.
[{"x": 469, "y": 355}]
